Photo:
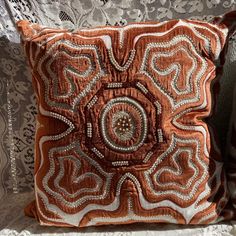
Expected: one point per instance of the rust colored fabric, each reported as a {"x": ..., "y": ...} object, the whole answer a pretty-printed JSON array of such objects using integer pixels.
[{"x": 121, "y": 131}]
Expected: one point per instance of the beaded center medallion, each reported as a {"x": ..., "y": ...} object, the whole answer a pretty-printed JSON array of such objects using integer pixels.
[{"x": 123, "y": 124}]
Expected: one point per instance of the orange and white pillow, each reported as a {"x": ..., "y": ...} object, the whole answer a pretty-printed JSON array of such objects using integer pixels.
[{"x": 121, "y": 132}]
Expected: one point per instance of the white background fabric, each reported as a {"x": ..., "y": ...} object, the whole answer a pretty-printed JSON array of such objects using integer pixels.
[{"x": 17, "y": 102}]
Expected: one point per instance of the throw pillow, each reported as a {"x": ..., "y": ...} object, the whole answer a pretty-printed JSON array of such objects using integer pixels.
[
  {"x": 231, "y": 162},
  {"x": 122, "y": 133}
]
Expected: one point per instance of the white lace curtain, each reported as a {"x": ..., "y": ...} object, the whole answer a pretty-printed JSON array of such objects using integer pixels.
[{"x": 17, "y": 102}]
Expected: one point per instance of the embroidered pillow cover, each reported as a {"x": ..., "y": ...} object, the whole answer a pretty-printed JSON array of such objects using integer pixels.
[{"x": 121, "y": 134}]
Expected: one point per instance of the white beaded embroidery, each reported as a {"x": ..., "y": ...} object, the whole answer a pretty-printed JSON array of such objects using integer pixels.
[
  {"x": 89, "y": 130},
  {"x": 116, "y": 64},
  {"x": 141, "y": 87},
  {"x": 120, "y": 163},
  {"x": 98, "y": 153},
  {"x": 160, "y": 135},
  {"x": 147, "y": 157},
  {"x": 115, "y": 85},
  {"x": 92, "y": 102}
]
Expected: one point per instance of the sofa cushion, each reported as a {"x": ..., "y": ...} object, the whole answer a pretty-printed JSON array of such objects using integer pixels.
[{"x": 122, "y": 133}]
